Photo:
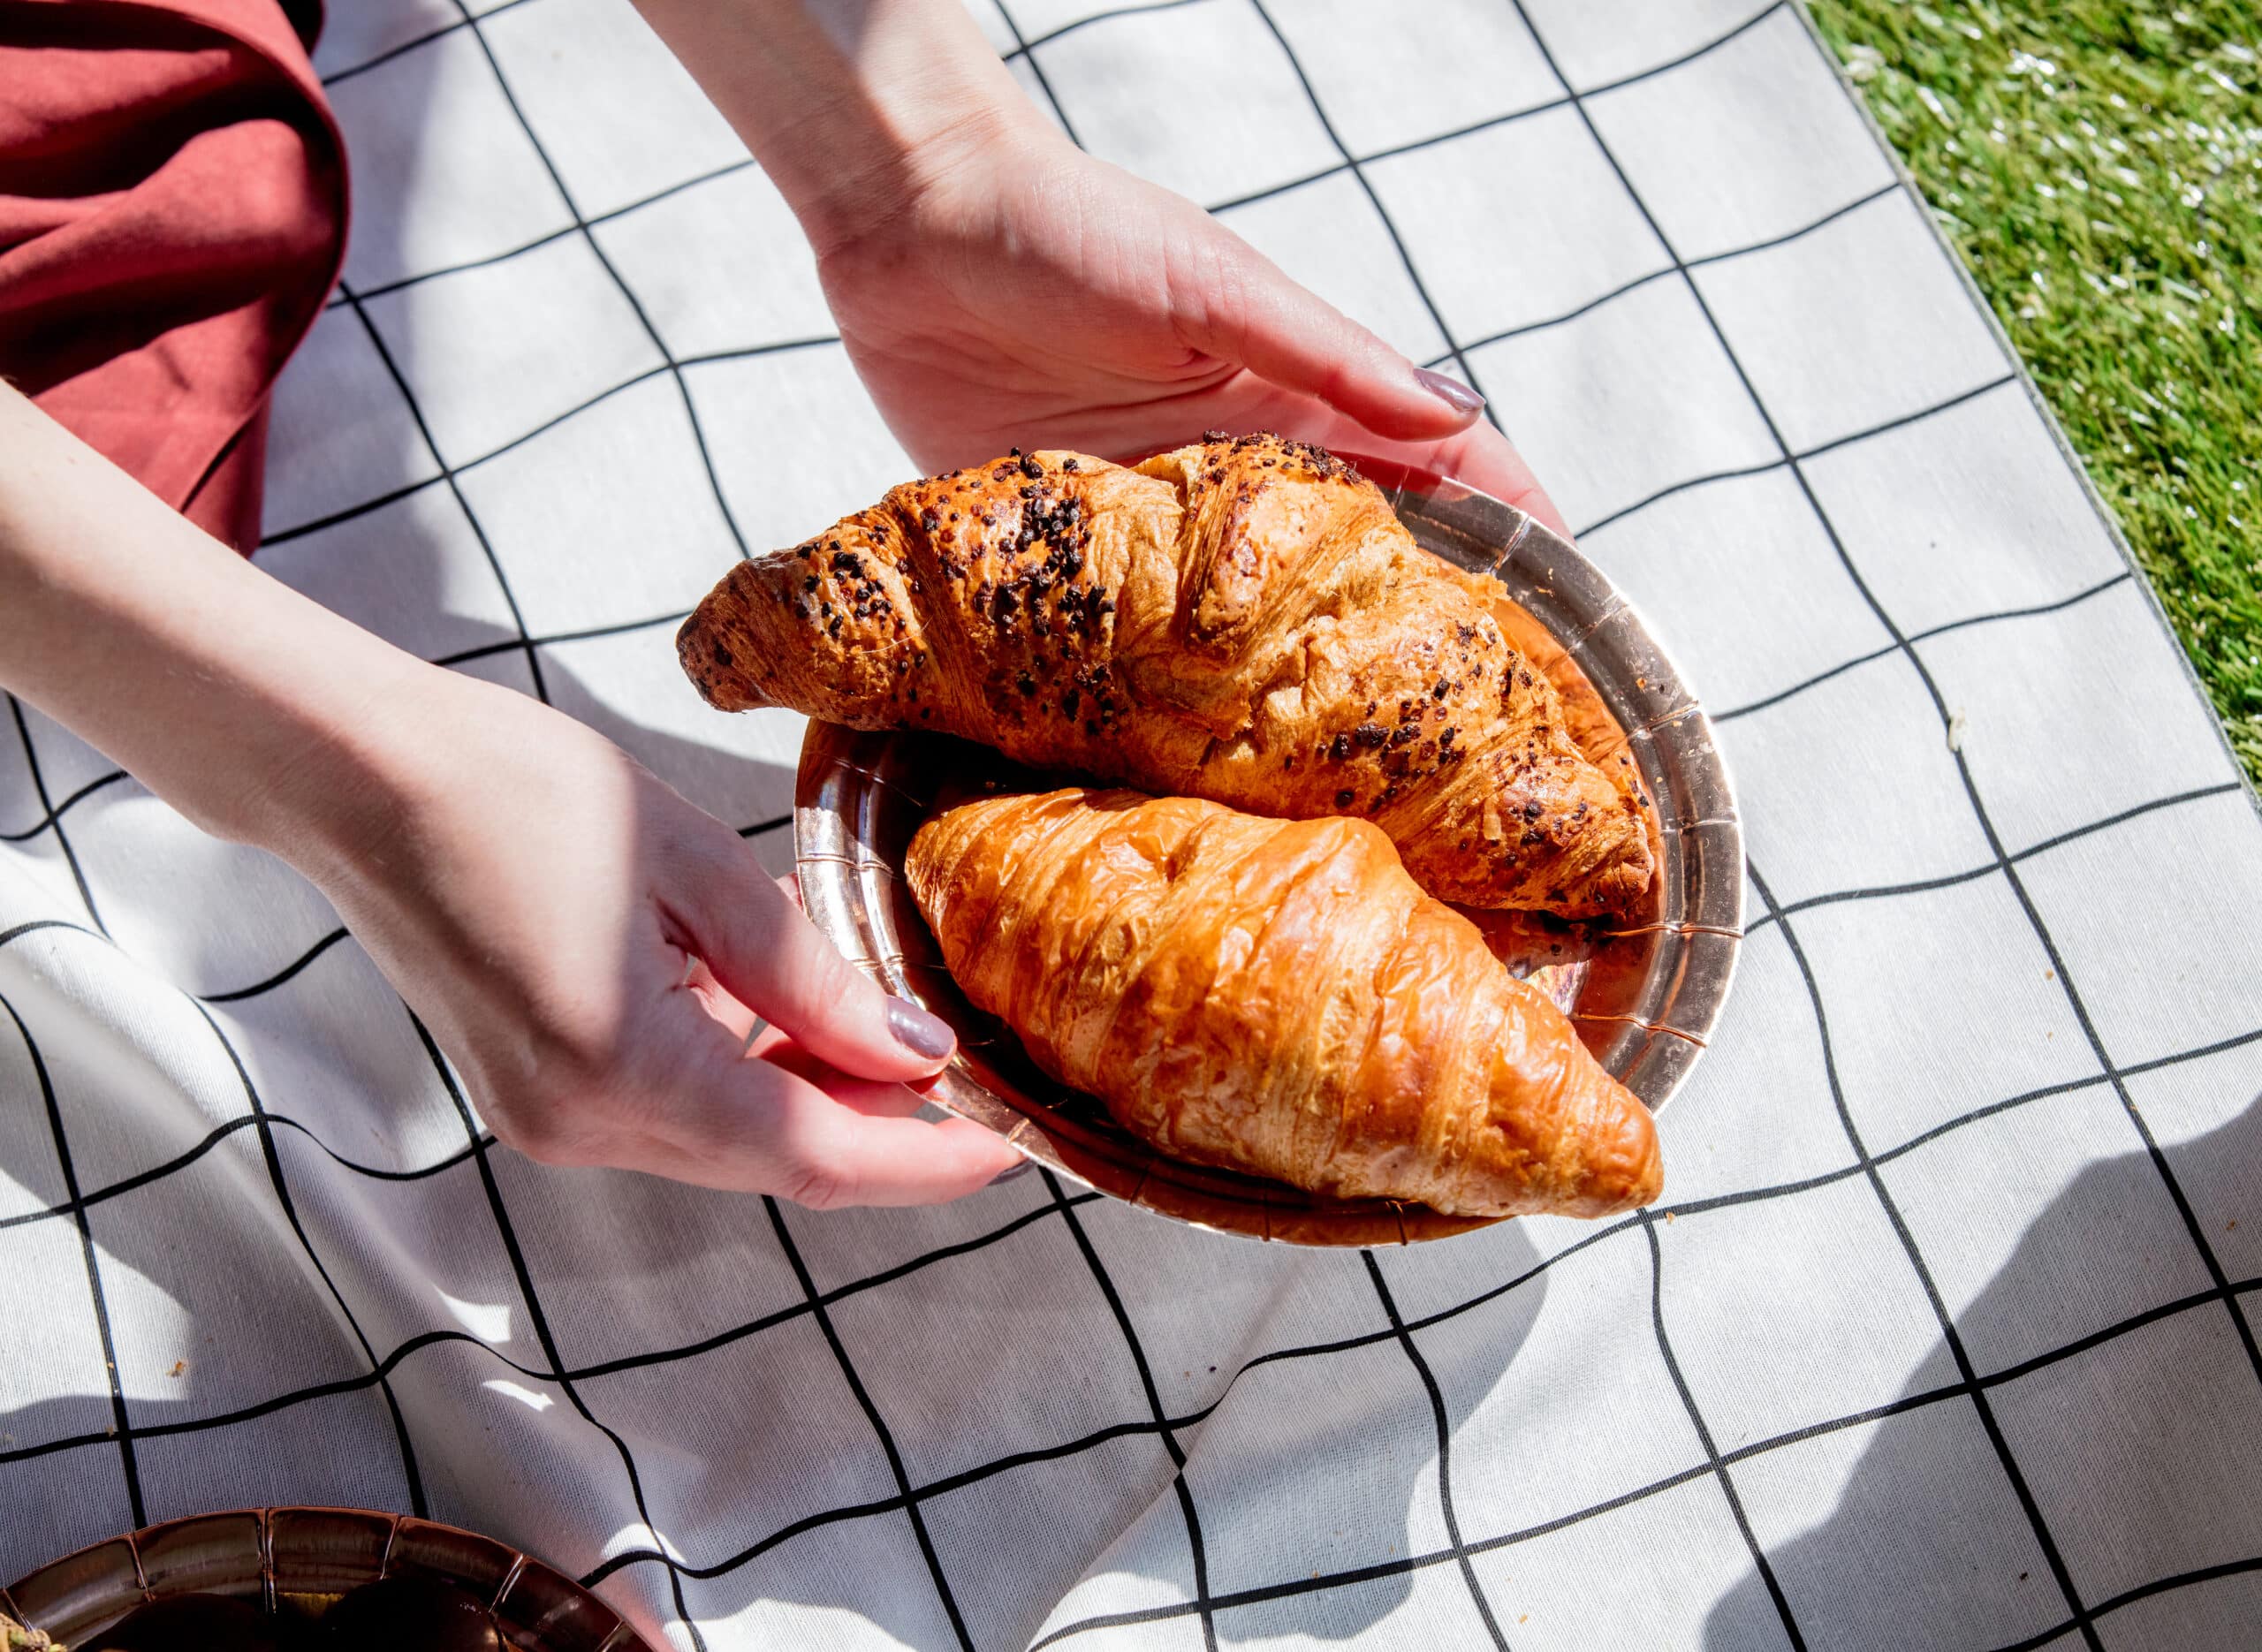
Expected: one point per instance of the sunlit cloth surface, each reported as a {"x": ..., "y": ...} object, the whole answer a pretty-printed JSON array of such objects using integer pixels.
[{"x": 1942, "y": 1336}]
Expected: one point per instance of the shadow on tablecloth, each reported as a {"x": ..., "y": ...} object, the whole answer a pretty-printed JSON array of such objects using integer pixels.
[{"x": 2113, "y": 1431}]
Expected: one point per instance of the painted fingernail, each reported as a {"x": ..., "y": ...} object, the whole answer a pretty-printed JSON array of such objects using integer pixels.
[
  {"x": 1012, "y": 1171},
  {"x": 1453, "y": 392},
  {"x": 917, "y": 1031}
]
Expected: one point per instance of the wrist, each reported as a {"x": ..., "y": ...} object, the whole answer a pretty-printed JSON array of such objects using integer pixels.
[
  {"x": 369, "y": 784},
  {"x": 853, "y": 107},
  {"x": 333, "y": 774},
  {"x": 909, "y": 164},
  {"x": 237, "y": 701}
]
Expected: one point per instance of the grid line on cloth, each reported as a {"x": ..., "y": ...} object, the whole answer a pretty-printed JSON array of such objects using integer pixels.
[
  {"x": 1456, "y": 1547},
  {"x": 1664, "y": 272},
  {"x": 462, "y": 21},
  {"x": 1073, "y": 24},
  {"x": 1792, "y": 459},
  {"x": 1183, "y": 1492},
  {"x": 121, "y": 1424},
  {"x": 78, "y": 1203},
  {"x": 1021, "y": 44},
  {"x": 1941, "y": 630},
  {"x": 2071, "y": 835},
  {"x": 602, "y": 1367},
  {"x": 1293, "y": 1587},
  {"x": 264, "y": 1129},
  {"x": 289, "y": 973},
  {"x": 597, "y": 250},
  {"x": 525, "y": 643},
  {"x": 1713, "y": 1464},
  {"x": 2129, "y": 1597},
  {"x": 52, "y": 814},
  {"x": 532, "y": 1298},
  {"x": 1949, "y": 1334},
  {"x": 299, "y": 530},
  {"x": 273, "y": 1162},
  {"x": 943, "y": 1592},
  {"x": 1389, "y": 225},
  {"x": 1544, "y": 106}
]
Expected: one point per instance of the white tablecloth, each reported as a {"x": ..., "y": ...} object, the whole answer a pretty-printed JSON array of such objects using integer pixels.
[{"x": 1943, "y": 1335}]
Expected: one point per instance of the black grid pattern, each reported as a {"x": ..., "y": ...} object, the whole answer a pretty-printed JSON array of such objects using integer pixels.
[{"x": 49, "y": 942}]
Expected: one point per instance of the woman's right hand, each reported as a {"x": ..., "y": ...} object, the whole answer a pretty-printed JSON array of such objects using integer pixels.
[{"x": 591, "y": 951}]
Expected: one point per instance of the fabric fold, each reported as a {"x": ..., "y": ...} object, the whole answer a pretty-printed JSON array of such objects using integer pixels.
[{"x": 174, "y": 205}]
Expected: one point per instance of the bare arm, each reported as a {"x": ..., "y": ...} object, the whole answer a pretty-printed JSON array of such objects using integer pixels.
[
  {"x": 161, "y": 646},
  {"x": 535, "y": 895},
  {"x": 852, "y": 106}
]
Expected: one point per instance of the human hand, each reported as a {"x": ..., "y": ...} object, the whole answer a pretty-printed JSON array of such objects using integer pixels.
[
  {"x": 1022, "y": 293},
  {"x": 996, "y": 287},
  {"x": 587, "y": 948},
  {"x": 591, "y": 951}
]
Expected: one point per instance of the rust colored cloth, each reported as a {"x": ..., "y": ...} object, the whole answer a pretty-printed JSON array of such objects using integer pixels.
[{"x": 173, "y": 214}]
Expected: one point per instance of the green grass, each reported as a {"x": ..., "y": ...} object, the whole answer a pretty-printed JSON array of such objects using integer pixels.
[{"x": 2099, "y": 163}]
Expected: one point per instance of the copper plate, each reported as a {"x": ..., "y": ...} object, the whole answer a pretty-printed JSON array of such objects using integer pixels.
[
  {"x": 300, "y": 1561},
  {"x": 1644, "y": 997}
]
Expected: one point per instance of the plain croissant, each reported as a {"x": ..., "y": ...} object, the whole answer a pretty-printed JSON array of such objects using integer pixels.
[
  {"x": 1245, "y": 620},
  {"x": 1275, "y": 996}
]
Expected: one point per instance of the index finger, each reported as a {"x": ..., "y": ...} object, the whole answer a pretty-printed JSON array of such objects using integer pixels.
[
  {"x": 1484, "y": 458},
  {"x": 760, "y": 1129}
]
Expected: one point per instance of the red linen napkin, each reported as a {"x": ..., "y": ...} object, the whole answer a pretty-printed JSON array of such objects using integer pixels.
[{"x": 173, "y": 214}]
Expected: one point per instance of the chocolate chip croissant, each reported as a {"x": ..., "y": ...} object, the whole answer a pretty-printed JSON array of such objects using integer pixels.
[
  {"x": 1245, "y": 620},
  {"x": 1275, "y": 996}
]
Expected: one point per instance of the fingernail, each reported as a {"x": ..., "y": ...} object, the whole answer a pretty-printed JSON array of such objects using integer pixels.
[
  {"x": 1453, "y": 392},
  {"x": 1012, "y": 1171},
  {"x": 918, "y": 1032}
]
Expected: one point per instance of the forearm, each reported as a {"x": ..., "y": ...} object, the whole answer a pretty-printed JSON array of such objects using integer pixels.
[
  {"x": 243, "y": 704},
  {"x": 851, "y": 106}
]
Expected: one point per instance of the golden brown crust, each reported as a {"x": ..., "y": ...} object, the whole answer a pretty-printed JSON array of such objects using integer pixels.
[
  {"x": 1245, "y": 620},
  {"x": 1275, "y": 996},
  {"x": 14, "y": 1637}
]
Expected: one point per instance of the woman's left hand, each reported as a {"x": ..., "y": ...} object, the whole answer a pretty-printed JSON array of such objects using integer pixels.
[{"x": 1024, "y": 294}]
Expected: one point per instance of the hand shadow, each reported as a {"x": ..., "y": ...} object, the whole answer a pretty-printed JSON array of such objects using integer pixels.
[
  {"x": 2138, "y": 1450},
  {"x": 1022, "y": 1390}
]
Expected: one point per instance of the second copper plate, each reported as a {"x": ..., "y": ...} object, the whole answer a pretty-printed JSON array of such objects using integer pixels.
[
  {"x": 1644, "y": 997},
  {"x": 297, "y": 1562}
]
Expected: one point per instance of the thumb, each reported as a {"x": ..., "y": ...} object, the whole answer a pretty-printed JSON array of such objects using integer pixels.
[
  {"x": 756, "y": 943},
  {"x": 1238, "y": 305}
]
